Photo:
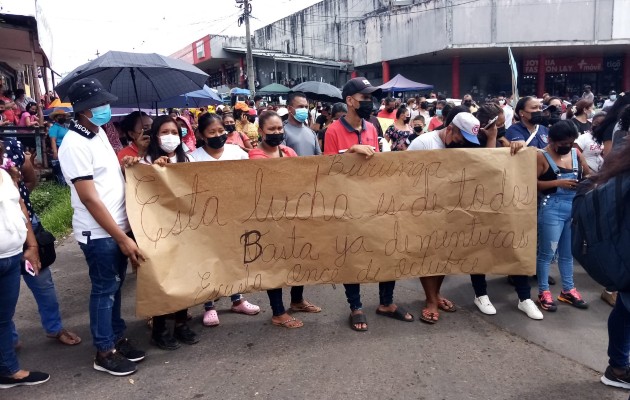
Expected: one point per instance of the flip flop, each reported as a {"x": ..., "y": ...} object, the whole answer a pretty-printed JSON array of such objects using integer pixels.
[
  {"x": 398, "y": 314},
  {"x": 288, "y": 321},
  {"x": 66, "y": 337},
  {"x": 306, "y": 307},
  {"x": 429, "y": 317},
  {"x": 447, "y": 305},
  {"x": 357, "y": 319}
]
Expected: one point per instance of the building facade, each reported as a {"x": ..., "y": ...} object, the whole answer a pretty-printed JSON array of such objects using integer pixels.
[{"x": 459, "y": 46}]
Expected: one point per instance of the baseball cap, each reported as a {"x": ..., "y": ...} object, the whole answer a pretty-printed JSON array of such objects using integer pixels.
[
  {"x": 251, "y": 112},
  {"x": 359, "y": 85},
  {"x": 468, "y": 125},
  {"x": 88, "y": 93},
  {"x": 282, "y": 111}
]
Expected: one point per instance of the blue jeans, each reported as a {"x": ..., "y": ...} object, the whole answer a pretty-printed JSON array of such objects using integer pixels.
[
  {"x": 9, "y": 292},
  {"x": 235, "y": 297},
  {"x": 385, "y": 294},
  {"x": 107, "y": 268},
  {"x": 56, "y": 167},
  {"x": 619, "y": 332},
  {"x": 554, "y": 235},
  {"x": 276, "y": 302},
  {"x": 43, "y": 290}
]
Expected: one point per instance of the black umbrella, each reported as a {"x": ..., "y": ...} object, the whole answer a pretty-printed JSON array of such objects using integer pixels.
[
  {"x": 138, "y": 78},
  {"x": 319, "y": 91}
]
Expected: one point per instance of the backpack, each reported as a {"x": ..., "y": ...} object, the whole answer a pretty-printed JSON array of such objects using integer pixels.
[{"x": 600, "y": 231}]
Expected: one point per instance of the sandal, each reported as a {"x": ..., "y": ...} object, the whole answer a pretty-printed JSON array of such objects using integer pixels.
[
  {"x": 246, "y": 308},
  {"x": 429, "y": 317},
  {"x": 357, "y": 319},
  {"x": 306, "y": 307},
  {"x": 66, "y": 337},
  {"x": 446, "y": 305},
  {"x": 399, "y": 313},
  {"x": 291, "y": 323},
  {"x": 211, "y": 318}
]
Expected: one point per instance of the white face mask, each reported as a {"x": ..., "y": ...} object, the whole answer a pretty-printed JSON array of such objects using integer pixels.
[{"x": 169, "y": 143}]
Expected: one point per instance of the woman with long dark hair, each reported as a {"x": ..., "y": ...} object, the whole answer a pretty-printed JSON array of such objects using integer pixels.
[
  {"x": 399, "y": 131},
  {"x": 604, "y": 132},
  {"x": 530, "y": 127},
  {"x": 618, "y": 371}
]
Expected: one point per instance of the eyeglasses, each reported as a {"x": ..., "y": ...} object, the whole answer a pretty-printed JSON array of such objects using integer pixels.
[{"x": 492, "y": 121}]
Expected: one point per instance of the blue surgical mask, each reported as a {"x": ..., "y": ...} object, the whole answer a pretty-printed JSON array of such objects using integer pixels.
[
  {"x": 101, "y": 115},
  {"x": 301, "y": 114},
  {"x": 438, "y": 112},
  {"x": 184, "y": 132}
]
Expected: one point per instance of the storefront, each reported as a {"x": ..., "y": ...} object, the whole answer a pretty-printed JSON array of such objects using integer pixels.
[{"x": 567, "y": 77}]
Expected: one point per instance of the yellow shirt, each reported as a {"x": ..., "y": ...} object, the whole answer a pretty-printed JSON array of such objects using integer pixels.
[{"x": 251, "y": 131}]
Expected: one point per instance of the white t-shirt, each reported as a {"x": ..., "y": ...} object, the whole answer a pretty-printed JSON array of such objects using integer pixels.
[
  {"x": 85, "y": 156},
  {"x": 427, "y": 141},
  {"x": 592, "y": 151},
  {"x": 230, "y": 152},
  {"x": 173, "y": 160},
  {"x": 12, "y": 219}
]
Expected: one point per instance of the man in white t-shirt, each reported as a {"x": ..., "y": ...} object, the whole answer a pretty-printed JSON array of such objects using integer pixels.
[
  {"x": 100, "y": 224},
  {"x": 508, "y": 111}
]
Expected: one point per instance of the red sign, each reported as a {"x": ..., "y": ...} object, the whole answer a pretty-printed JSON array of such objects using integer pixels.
[{"x": 565, "y": 65}]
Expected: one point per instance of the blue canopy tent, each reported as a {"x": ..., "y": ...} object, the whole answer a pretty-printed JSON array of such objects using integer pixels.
[
  {"x": 401, "y": 84},
  {"x": 197, "y": 98}
]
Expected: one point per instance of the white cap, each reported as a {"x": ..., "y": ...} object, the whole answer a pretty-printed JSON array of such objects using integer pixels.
[
  {"x": 468, "y": 125},
  {"x": 282, "y": 111}
]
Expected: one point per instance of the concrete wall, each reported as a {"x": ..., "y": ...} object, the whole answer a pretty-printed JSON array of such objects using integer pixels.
[{"x": 369, "y": 31}]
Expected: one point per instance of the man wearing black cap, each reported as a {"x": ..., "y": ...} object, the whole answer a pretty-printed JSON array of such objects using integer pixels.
[
  {"x": 100, "y": 223},
  {"x": 352, "y": 134}
]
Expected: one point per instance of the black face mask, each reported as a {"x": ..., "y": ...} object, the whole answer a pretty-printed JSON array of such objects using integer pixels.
[
  {"x": 274, "y": 140},
  {"x": 563, "y": 150},
  {"x": 417, "y": 129},
  {"x": 216, "y": 142},
  {"x": 1, "y": 111},
  {"x": 365, "y": 109},
  {"x": 229, "y": 128},
  {"x": 251, "y": 119},
  {"x": 468, "y": 103},
  {"x": 537, "y": 118},
  {"x": 454, "y": 145},
  {"x": 61, "y": 121},
  {"x": 501, "y": 132},
  {"x": 389, "y": 109},
  {"x": 407, "y": 120}
]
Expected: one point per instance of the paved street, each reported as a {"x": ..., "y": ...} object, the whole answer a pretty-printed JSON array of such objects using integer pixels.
[{"x": 467, "y": 355}]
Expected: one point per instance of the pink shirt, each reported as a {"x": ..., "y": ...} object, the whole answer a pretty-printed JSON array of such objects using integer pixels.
[
  {"x": 258, "y": 153},
  {"x": 26, "y": 116}
]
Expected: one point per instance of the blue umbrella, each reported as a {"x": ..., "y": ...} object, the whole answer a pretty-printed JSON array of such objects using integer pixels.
[
  {"x": 240, "y": 92},
  {"x": 197, "y": 98},
  {"x": 137, "y": 78}
]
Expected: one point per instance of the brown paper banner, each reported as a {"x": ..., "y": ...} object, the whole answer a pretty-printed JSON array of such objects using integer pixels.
[{"x": 212, "y": 229}]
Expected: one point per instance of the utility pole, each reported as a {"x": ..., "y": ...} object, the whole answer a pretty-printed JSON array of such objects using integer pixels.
[{"x": 247, "y": 9}]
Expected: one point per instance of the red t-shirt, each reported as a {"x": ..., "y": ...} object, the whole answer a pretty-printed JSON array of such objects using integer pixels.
[
  {"x": 384, "y": 114},
  {"x": 131, "y": 150},
  {"x": 238, "y": 138},
  {"x": 435, "y": 122},
  {"x": 340, "y": 136},
  {"x": 258, "y": 153}
]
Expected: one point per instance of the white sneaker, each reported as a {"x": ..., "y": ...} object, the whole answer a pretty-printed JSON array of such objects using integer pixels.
[
  {"x": 484, "y": 305},
  {"x": 530, "y": 308}
]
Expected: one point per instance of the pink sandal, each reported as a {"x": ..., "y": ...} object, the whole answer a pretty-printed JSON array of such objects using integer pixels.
[
  {"x": 246, "y": 308},
  {"x": 211, "y": 318}
]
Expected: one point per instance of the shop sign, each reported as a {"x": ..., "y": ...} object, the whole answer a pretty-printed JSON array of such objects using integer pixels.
[{"x": 565, "y": 65}]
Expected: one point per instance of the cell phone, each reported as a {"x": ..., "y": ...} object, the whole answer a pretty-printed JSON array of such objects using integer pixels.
[{"x": 29, "y": 268}]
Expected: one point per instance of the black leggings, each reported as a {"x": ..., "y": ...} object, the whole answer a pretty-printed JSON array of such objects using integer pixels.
[
  {"x": 521, "y": 285},
  {"x": 159, "y": 323}
]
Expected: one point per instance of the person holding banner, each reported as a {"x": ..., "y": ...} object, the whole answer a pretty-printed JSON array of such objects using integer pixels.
[
  {"x": 352, "y": 134},
  {"x": 166, "y": 147},
  {"x": 212, "y": 128},
  {"x": 271, "y": 130},
  {"x": 530, "y": 127}
]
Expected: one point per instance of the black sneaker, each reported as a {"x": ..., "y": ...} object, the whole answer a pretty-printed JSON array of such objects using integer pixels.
[
  {"x": 33, "y": 378},
  {"x": 609, "y": 378},
  {"x": 164, "y": 341},
  {"x": 114, "y": 363},
  {"x": 185, "y": 335},
  {"x": 126, "y": 349}
]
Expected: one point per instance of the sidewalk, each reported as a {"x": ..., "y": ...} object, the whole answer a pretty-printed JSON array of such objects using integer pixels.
[{"x": 467, "y": 355}]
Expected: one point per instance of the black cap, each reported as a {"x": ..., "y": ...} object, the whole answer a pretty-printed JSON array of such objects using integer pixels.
[
  {"x": 359, "y": 85},
  {"x": 612, "y": 92},
  {"x": 88, "y": 93}
]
